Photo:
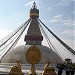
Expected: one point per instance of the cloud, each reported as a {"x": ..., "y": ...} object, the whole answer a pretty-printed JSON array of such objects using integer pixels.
[
  {"x": 49, "y": 8},
  {"x": 29, "y": 3},
  {"x": 60, "y": 19},
  {"x": 56, "y": 19},
  {"x": 4, "y": 33},
  {"x": 69, "y": 32},
  {"x": 65, "y": 2},
  {"x": 69, "y": 22}
]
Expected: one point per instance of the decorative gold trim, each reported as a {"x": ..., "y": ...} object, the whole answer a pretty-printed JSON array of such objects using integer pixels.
[{"x": 33, "y": 55}]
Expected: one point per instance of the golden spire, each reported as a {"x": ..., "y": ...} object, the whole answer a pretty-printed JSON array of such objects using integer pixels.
[
  {"x": 49, "y": 70},
  {"x": 16, "y": 70},
  {"x": 18, "y": 64},
  {"x": 32, "y": 71}
]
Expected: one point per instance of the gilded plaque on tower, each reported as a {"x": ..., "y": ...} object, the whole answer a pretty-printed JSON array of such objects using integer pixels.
[{"x": 33, "y": 55}]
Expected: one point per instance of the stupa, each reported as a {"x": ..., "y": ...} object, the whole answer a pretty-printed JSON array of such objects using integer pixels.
[{"x": 33, "y": 37}]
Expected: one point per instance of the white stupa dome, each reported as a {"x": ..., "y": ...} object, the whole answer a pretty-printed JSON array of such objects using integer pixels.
[{"x": 18, "y": 53}]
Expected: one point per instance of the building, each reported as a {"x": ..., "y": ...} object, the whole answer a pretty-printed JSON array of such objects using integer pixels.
[{"x": 33, "y": 37}]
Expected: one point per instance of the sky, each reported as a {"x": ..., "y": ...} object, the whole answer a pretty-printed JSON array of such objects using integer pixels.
[{"x": 58, "y": 15}]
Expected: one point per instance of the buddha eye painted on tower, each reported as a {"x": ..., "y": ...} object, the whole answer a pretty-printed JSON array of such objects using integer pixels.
[{"x": 34, "y": 12}]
